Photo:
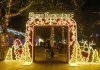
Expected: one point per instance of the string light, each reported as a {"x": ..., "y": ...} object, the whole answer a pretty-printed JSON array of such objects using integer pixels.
[
  {"x": 17, "y": 45},
  {"x": 21, "y": 53},
  {"x": 26, "y": 54},
  {"x": 79, "y": 54},
  {"x": 9, "y": 55},
  {"x": 33, "y": 15},
  {"x": 89, "y": 55},
  {"x": 14, "y": 31},
  {"x": 48, "y": 19}
]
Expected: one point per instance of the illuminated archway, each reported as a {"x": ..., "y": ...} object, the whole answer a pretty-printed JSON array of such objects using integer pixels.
[{"x": 47, "y": 19}]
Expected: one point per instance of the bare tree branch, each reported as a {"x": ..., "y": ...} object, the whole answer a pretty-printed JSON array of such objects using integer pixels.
[
  {"x": 75, "y": 2},
  {"x": 14, "y": 3},
  {"x": 21, "y": 10},
  {"x": 80, "y": 6}
]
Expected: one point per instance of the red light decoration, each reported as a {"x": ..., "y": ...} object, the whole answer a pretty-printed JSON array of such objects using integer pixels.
[{"x": 51, "y": 20}]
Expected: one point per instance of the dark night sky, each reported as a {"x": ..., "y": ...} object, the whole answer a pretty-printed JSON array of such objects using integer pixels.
[
  {"x": 87, "y": 14},
  {"x": 18, "y": 23}
]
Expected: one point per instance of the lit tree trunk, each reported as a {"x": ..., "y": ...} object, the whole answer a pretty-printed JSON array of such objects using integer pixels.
[
  {"x": 52, "y": 37},
  {"x": 4, "y": 24},
  {"x": 62, "y": 34}
]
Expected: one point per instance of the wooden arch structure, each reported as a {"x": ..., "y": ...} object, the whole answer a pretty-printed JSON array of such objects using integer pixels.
[{"x": 47, "y": 19}]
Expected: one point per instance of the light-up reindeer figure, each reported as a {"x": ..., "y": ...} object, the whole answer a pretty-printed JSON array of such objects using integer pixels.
[{"x": 86, "y": 49}]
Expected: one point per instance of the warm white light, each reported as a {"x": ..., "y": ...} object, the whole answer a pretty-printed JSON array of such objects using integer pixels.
[
  {"x": 14, "y": 31},
  {"x": 40, "y": 40},
  {"x": 17, "y": 45},
  {"x": 55, "y": 20},
  {"x": 33, "y": 15},
  {"x": 25, "y": 56},
  {"x": 9, "y": 56}
]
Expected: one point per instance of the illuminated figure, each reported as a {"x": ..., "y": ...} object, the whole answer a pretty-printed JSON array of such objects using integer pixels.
[{"x": 17, "y": 45}]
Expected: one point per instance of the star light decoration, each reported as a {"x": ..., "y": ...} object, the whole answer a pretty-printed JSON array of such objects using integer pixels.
[{"x": 50, "y": 19}]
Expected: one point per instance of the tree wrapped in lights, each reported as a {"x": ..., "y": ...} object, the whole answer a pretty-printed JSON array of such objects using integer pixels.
[
  {"x": 26, "y": 54},
  {"x": 73, "y": 56},
  {"x": 76, "y": 51},
  {"x": 9, "y": 55},
  {"x": 8, "y": 9},
  {"x": 95, "y": 56},
  {"x": 79, "y": 55},
  {"x": 52, "y": 37}
]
